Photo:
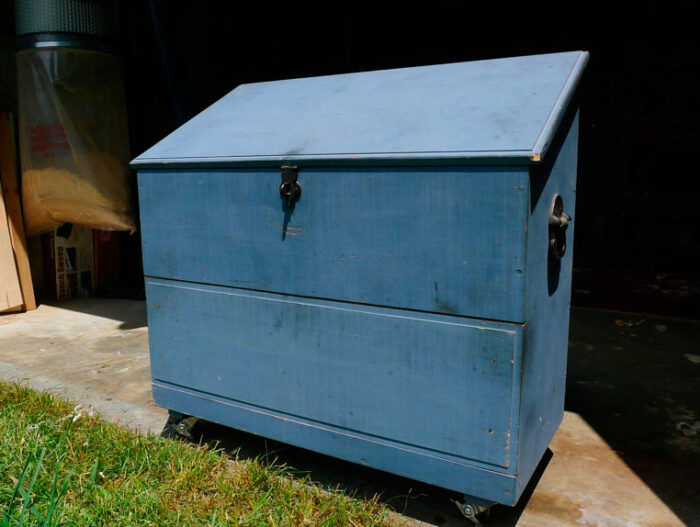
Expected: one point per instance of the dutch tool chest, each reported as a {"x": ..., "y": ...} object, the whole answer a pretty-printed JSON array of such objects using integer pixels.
[{"x": 375, "y": 266}]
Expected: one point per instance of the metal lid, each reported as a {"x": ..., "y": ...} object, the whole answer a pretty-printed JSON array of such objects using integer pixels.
[{"x": 95, "y": 18}]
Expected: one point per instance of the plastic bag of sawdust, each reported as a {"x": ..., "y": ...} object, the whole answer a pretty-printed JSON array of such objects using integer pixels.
[{"x": 73, "y": 140}]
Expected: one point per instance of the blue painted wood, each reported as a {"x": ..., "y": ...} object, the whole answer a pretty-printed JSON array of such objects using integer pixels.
[
  {"x": 548, "y": 296},
  {"x": 364, "y": 370},
  {"x": 440, "y": 240},
  {"x": 442, "y": 470},
  {"x": 394, "y": 369},
  {"x": 506, "y": 109}
]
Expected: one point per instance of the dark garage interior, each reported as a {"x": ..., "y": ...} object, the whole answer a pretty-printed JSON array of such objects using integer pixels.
[
  {"x": 634, "y": 354},
  {"x": 637, "y": 235}
]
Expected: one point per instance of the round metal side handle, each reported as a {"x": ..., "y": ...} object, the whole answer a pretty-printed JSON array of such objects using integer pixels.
[{"x": 558, "y": 223}]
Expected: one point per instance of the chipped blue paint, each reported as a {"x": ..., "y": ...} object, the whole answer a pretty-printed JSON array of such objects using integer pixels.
[{"x": 404, "y": 314}]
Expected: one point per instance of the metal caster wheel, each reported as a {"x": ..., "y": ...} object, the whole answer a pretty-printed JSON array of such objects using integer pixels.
[
  {"x": 471, "y": 507},
  {"x": 179, "y": 427}
]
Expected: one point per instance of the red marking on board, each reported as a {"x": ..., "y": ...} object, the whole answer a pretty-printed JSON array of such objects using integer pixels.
[
  {"x": 47, "y": 138},
  {"x": 291, "y": 230}
]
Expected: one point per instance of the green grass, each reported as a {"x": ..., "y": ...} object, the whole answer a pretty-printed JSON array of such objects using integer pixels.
[{"x": 56, "y": 469}]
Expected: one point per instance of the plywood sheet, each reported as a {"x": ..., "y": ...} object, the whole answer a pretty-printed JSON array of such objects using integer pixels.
[
  {"x": 10, "y": 292},
  {"x": 8, "y": 178}
]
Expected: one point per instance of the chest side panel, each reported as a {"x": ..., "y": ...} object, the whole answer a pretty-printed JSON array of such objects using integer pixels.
[
  {"x": 433, "y": 381},
  {"x": 432, "y": 239},
  {"x": 548, "y": 298}
]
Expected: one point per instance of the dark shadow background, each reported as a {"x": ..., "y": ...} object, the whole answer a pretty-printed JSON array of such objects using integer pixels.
[
  {"x": 637, "y": 242},
  {"x": 409, "y": 498}
]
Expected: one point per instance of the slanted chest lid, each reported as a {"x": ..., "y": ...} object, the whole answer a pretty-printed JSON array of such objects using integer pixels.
[{"x": 468, "y": 112}]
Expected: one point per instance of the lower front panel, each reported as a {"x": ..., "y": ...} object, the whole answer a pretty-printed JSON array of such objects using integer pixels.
[
  {"x": 444, "y": 386},
  {"x": 441, "y": 470}
]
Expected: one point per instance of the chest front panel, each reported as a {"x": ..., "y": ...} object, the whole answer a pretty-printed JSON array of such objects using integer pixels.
[
  {"x": 390, "y": 374},
  {"x": 443, "y": 240}
]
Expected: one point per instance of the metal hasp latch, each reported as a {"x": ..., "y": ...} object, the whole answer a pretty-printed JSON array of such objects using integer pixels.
[
  {"x": 290, "y": 190},
  {"x": 558, "y": 223}
]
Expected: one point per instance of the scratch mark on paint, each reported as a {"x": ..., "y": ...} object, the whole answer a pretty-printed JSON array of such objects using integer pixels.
[{"x": 290, "y": 230}]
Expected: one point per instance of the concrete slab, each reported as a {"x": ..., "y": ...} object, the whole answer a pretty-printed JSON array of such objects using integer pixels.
[
  {"x": 587, "y": 483},
  {"x": 92, "y": 351},
  {"x": 95, "y": 352}
]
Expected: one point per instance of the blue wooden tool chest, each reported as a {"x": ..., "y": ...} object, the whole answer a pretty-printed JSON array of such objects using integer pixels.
[{"x": 376, "y": 266}]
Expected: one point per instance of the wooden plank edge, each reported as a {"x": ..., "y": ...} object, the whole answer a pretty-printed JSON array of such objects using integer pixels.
[
  {"x": 10, "y": 291},
  {"x": 566, "y": 95},
  {"x": 10, "y": 186}
]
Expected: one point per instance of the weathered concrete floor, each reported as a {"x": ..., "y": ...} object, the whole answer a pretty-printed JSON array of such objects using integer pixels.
[{"x": 627, "y": 453}]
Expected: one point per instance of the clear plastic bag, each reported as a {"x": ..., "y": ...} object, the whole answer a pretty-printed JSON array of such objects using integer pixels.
[{"x": 73, "y": 140}]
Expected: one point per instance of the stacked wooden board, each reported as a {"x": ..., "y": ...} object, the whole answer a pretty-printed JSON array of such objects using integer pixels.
[{"x": 16, "y": 292}]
